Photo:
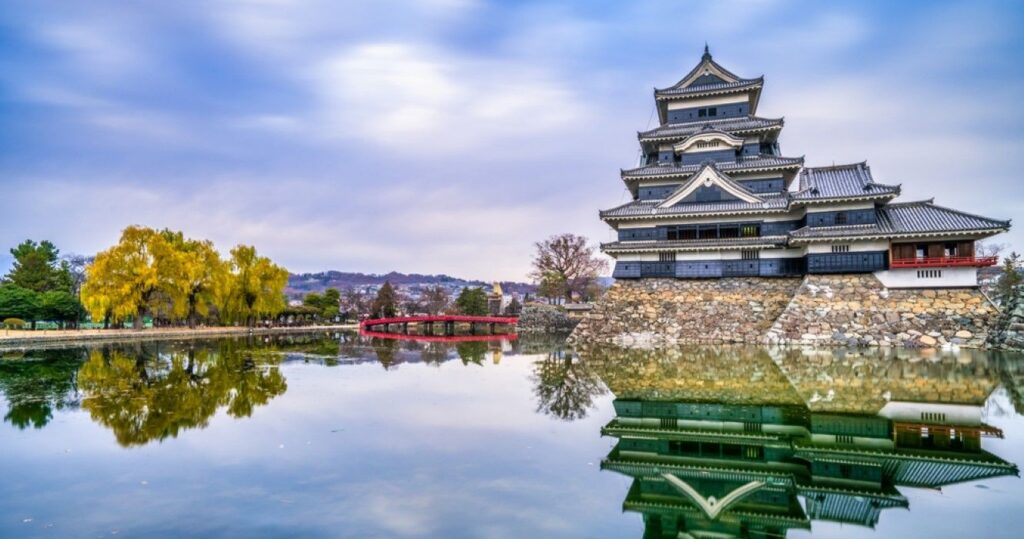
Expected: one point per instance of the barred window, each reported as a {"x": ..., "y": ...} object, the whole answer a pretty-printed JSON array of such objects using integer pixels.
[{"x": 840, "y": 248}]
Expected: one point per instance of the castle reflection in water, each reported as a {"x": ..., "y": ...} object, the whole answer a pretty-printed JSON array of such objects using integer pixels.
[{"x": 727, "y": 442}]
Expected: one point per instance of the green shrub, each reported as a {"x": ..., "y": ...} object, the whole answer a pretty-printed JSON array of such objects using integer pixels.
[{"x": 14, "y": 323}]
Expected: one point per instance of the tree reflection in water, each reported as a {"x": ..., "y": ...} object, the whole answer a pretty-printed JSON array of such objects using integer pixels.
[
  {"x": 565, "y": 385},
  {"x": 471, "y": 352},
  {"x": 34, "y": 388},
  {"x": 145, "y": 398}
]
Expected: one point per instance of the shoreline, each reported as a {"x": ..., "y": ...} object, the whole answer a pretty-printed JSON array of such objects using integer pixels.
[{"x": 28, "y": 338}]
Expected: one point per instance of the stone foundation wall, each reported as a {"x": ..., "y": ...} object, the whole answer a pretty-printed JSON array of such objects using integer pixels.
[
  {"x": 657, "y": 312},
  {"x": 540, "y": 318},
  {"x": 856, "y": 310}
]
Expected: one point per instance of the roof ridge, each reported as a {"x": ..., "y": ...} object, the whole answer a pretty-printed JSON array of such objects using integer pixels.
[
  {"x": 931, "y": 202},
  {"x": 834, "y": 166},
  {"x": 910, "y": 202}
]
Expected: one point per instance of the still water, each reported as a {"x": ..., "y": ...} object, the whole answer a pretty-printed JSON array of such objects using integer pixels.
[{"x": 334, "y": 435}]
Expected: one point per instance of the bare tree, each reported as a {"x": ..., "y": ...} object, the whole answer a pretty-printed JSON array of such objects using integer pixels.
[
  {"x": 436, "y": 299},
  {"x": 989, "y": 248},
  {"x": 568, "y": 258},
  {"x": 356, "y": 302}
]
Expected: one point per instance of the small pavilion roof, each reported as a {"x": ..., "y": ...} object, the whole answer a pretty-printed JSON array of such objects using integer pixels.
[
  {"x": 740, "y": 165},
  {"x": 746, "y": 124},
  {"x": 708, "y": 77},
  {"x": 841, "y": 181},
  {"x": 920, "y": 218}
]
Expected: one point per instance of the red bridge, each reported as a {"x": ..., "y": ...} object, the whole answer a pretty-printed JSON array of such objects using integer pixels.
[
  {"x": 382, "y": 325},
  {"x": 440, "y": 338}
]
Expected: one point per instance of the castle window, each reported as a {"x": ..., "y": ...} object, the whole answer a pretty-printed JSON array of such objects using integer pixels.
[
  {"x": 666, "y": 257},
  {"x": 750, "y": 231},
  {"x": 950, "y": 249},
  {"x": 702, "y": 113},
  {"x": 840, "y": 218},
  {"x": 840, "y": 248},
  {"x": 713, "y": 111},
  {"x": 729, "y": 231},
  {"x": 750, "y": 255}
]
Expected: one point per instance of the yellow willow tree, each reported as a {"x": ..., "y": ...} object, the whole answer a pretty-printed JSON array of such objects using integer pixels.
[
  {"x": 253, "y": 287},
  {"x": 134, "y": 277},
  {"x": 200, "y": 272}
]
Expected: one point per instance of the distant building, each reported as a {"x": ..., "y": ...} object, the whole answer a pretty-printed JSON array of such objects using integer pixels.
[
  {"x": 713, "y": 196},
  {"x": 497, "y": 301}
]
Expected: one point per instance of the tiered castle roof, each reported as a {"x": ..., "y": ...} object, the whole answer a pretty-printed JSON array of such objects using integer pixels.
[{"x": 916, "y": 219}]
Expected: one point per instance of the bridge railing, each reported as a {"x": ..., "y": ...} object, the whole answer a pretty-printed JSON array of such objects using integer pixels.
[{"x": 510, "y": 320}]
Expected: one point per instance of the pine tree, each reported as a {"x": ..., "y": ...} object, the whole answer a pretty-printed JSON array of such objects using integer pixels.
[
  {"x": 1011, "y": 275},
  {"x": 472, "y": 302},
  {"x": 385, "y": 305}
]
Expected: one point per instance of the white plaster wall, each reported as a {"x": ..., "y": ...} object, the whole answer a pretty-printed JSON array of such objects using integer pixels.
[
  {"x": 782, "y": 253},
  {"x": 710, "y": 255},
  {"x": 907, "y": 278},
  {"x": 956, "y": 414},
  {"x": 855, "y": 246}
]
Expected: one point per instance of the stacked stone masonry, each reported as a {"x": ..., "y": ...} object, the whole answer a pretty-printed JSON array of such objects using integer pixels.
[
  {"x": 660, "y": 312},
  {"x": 856, "y": 310},
  {"x": 818, "y": 310},
  {"x": 539, "y": 318}
]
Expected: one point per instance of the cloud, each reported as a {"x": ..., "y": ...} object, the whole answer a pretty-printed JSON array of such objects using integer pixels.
[{"x": 416, "y": 99}]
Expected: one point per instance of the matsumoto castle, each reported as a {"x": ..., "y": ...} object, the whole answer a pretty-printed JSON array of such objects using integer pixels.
[{"x": 714, "y": 197}]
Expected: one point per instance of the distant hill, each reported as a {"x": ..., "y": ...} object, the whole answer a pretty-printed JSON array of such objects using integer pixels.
[{"x": 304, "y": 283}]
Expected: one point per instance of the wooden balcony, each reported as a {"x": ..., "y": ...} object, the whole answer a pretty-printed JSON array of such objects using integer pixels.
[{"x": 944, "y": 262}]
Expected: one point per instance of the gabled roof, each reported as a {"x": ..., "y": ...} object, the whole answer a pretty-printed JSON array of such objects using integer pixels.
[
  {"x": 707, "y": 77},
  {"x": 710, "y": 175},
  {"x": 773, "y": 203},
  {"x": 743, "y": 164},
  {"x": 747, "y": 124},
  {"x": 841, "y": 182},
  {"x": 908, "y": 219},
  {"x": 709, "y": 132}
]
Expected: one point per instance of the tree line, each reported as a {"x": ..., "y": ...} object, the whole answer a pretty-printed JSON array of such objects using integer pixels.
[
  {"x": 390, "y": 301},
  {"x": 177, "y": 280},
  {"x": 41, "y": 285}
]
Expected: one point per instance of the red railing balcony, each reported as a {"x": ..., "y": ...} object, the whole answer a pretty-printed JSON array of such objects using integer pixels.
[{"x": 945, "y": 262}]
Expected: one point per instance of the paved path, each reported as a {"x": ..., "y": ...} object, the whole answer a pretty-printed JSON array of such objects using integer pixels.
[{"x": 9, "y": 338}]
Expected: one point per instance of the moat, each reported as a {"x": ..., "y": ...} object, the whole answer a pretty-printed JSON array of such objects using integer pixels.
[{"x": 337, "y": 435}]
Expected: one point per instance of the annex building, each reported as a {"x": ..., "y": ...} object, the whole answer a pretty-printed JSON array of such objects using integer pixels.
[{"x": 713, "y": 196}]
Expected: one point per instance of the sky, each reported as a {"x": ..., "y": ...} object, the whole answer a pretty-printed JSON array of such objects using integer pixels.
[{"x": 446, "y": 136}]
